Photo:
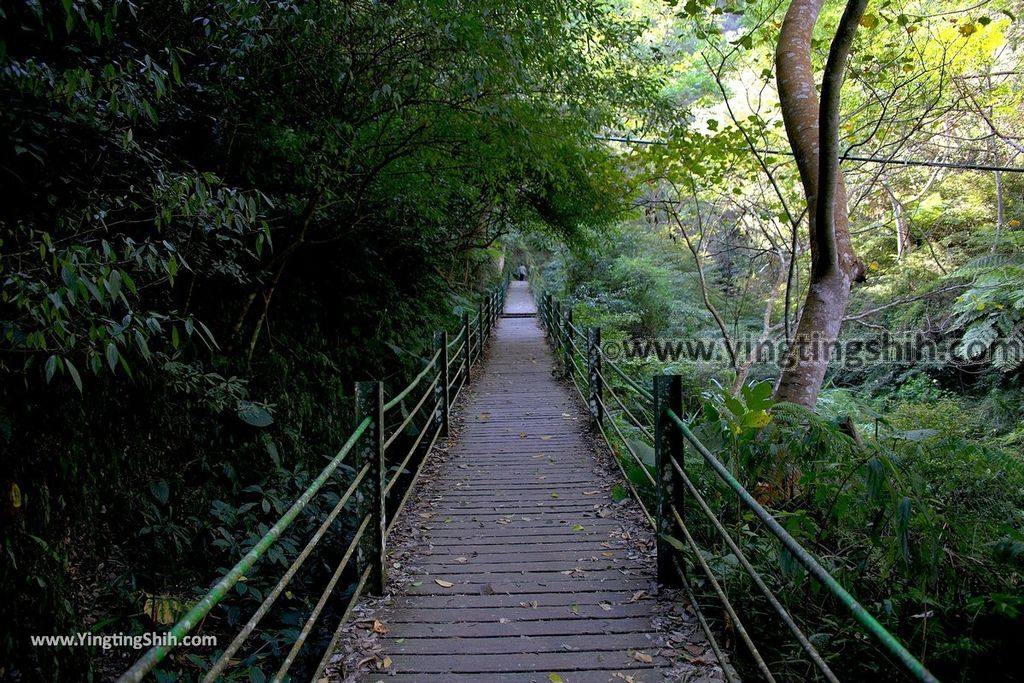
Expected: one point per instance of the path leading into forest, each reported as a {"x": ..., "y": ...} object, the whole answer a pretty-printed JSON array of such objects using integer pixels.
[{"x": 515, "y": 563}]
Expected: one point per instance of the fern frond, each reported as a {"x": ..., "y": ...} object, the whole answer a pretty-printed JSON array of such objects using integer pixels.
[{"x": 988, "y": 262}]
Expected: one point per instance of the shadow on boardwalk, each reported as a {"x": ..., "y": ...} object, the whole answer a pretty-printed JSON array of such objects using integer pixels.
[{"x": 514, "y": 563}]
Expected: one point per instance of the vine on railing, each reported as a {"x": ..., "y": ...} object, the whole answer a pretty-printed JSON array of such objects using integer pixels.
[
  {"x": 445, "y": 374},
  {"x": 656, "y": 416}
]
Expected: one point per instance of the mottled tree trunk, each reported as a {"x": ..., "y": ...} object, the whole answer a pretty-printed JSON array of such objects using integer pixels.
[
  {"x": 808, "y": 125},
  {"x": 902, "y": 228}
]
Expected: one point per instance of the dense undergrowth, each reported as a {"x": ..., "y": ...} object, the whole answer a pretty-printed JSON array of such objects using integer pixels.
[
  {"x": 218, "y": 215},
  {"x": 920, "y": 517}
]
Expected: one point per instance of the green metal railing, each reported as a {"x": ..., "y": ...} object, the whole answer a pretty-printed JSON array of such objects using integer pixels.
[
  {"x": 655, "y": 418},
  {"x": 372, "y": 444}
]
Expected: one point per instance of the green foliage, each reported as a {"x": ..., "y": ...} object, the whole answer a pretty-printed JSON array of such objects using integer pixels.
[
  {"x": 991, "y": 311},
  {"x": 219, "y": 214},
  {"x": 923, "y": 531}
]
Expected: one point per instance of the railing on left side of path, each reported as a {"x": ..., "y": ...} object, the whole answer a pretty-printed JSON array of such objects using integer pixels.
[
  {"x": 656, "y": 415},
  {"x": 372, "y": 445}
]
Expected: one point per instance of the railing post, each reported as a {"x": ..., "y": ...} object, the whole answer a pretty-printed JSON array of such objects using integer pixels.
[
  {"x": 468, "y": 352},
  {"x": 668, "y": 447},
  {"x": 370, "y": 450},
  {"x": 481, "y": 323},
  {"x": 595, "y": 382},
  {"x": 556, "y": 320},
  {"x": 567, "y": 343},
  {"x": 491, "y": 307},
  {"x": 441, "y": 393},
  {"x": 487, "y": 314}
]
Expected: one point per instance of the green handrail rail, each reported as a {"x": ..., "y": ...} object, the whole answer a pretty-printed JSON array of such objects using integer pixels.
[
  {"x": 495, "y": 301},
  {"x": 412, "y": 385},
  {"x": 870, "y": 624},
  {"x": 555, "y": 322},
  {"x": 185, "y": 625}
]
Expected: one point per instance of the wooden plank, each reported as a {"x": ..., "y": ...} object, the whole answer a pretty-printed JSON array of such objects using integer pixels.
[
  {"x": 545, "y": 661},
  {"x": 525, "y": 628},
  {"x": 504, "y": 565},
  {"x": 457, "y": 602},
  {"x": 569, "y": 676},
  {"x": 519, "y": 520},
  {"x": 534, "y": 524},
  {"x": 542, "y": 575},
  {"x": 526, "y": 644},
  {"x": 565, "y": 535},
  {"x": 525, "y": 555},
  {"x": 444, "y": 615},
  {"x": 525, "y": 585}
]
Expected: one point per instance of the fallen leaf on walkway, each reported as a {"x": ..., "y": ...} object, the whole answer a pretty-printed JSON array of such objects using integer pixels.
[
  {"x": 555, "y": 678},
  {"x": 443, "y": 584},
  {"x": 605, "y": 606},
  {"x": 643, "y": 657},
  {"x": 379, "y": 627},
  {"x": 522, "y": 435},
  {"x": 461, "y": 560},
  {"x": 416, "y": 583},
  {"x": 639, "y": 595},
  {"x": 386, "y": 663},
  {"x": 545, "y": 438},
  {"x": 578, "y": 527},
  {"x": 575, "y": 609},
  {"x": 554, "y": 495},
  {"x": 591, "y": 493}
]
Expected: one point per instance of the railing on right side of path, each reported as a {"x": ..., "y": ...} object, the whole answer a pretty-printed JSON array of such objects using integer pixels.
[
  {"x": 656, "y": 417},
  {"x": 384, "y": 443}
]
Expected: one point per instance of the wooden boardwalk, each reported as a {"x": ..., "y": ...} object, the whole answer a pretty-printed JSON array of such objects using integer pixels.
[{"x": 515, "y": 564}]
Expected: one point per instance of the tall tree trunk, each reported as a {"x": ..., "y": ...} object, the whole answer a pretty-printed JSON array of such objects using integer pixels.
[
  {"x": 994, "y": 150},
  {"x": 900, "y": 216},
  {"x": 813, "y": 135}
]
